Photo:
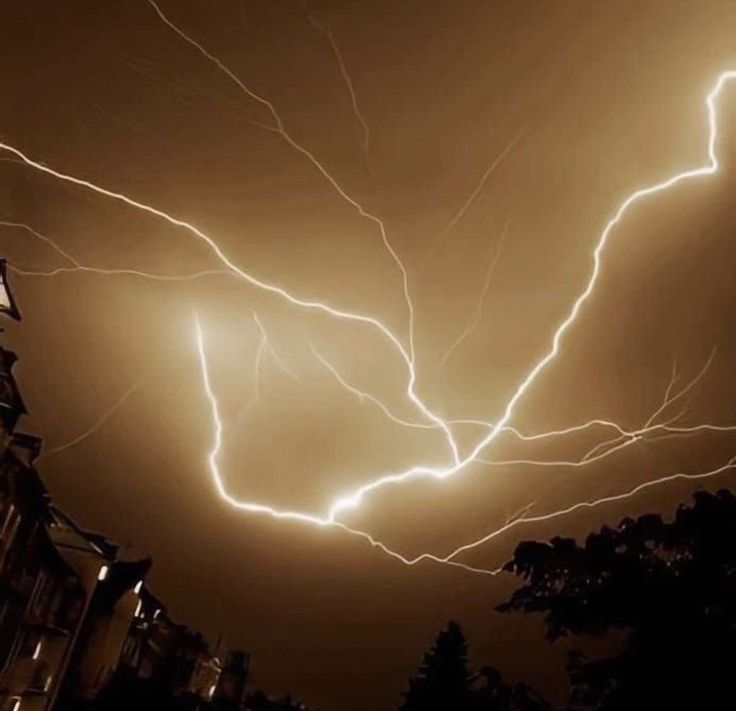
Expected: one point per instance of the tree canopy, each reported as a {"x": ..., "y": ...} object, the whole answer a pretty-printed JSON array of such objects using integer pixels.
[{"x": 670, "y": 587}]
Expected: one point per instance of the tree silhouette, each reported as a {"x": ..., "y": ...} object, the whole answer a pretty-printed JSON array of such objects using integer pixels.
[
  {"x": 669, "y": 587},
  {"x": 444, "y": 683},
  {"x": 258, "y": 701},
  {"x": 489, "y": 692},
  {"x": 443, "y": 679}
]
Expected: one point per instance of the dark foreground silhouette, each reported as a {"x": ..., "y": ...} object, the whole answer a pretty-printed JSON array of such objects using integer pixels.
[
  {"x": 663, "y": 593},
  {"x": 127, "y": 692},
  {"x": 444, "y": 682}
]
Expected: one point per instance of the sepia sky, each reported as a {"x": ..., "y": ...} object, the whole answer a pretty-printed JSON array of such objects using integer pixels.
[{"x": 577, "y": 104}]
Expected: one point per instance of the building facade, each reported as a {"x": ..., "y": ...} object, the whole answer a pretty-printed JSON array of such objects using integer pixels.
[{"x": 79, "y": 627}]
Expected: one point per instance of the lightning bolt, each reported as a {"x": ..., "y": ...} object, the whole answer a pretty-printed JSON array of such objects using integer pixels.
[
  {"x": 255, "y": 508},
  {"x": 271, "y": 350},
  {"x": 97, "y": 424},
  {"x": 280, "y": 129},
  {"x": 352, "y": 500},
  {"x": 268, "y": 287},
  {"x": 594, "y": 503},
  {"x": 668, "y": 400},
  {"x": 214, "y": 454},
  {"x": 613, "y": 445},
  {"x": 59, "y": 250},
  {"x": 264, "y": 347},
  {"x": 257, "y": 362},
  {"x": 118, "y": 272},
  {"x": 442, "y": 236},
  {"x": 474, "y": 319},
  {"x": 515, "y": 520},
  {"x": 325, "y": 31}
]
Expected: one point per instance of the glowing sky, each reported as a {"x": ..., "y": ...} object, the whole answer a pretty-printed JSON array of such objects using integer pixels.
[{"x": 467, "y": 161}]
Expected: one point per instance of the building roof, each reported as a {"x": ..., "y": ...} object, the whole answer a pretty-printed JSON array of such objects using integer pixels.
[{"x": 64, "y": 532}]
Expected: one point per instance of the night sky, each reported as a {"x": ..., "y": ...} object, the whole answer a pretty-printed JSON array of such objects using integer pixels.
[{"x": 578, "y": 104}]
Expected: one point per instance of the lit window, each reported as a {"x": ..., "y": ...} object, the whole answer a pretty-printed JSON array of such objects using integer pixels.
[{"x": 102, "y": 575}]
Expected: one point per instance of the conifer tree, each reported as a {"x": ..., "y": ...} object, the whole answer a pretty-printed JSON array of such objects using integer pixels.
[{"x": 442, "y": 682}]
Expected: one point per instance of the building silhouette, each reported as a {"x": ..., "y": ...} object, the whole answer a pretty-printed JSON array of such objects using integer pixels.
[{"x": 79, "y": 626}]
